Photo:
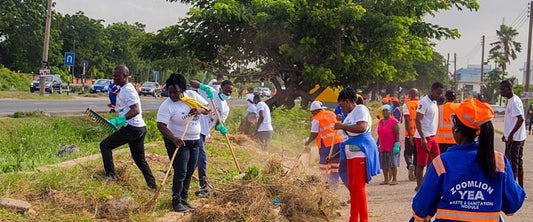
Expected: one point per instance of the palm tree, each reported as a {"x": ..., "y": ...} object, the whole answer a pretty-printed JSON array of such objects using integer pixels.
[{"x": 505, "y": 48}]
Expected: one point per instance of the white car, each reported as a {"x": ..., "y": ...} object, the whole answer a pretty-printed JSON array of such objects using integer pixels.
[{"x": 263, "y": 91}]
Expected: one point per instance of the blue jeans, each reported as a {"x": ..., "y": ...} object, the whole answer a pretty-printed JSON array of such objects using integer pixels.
[
  {"x": 184, "y": 165},
  {"x": 202, "y": 162}
]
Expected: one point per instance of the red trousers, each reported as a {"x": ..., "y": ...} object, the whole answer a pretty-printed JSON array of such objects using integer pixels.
[{"x": 356, "y": 185}]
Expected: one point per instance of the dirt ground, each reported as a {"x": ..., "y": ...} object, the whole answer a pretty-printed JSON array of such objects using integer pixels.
[{"x": 393, "y": 203}]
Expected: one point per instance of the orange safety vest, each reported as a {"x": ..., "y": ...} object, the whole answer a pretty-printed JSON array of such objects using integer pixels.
[
  {"x": 326, "y": 128},
  {"x": 412, "y": 105},
  {"x": 444, "y": 130}
]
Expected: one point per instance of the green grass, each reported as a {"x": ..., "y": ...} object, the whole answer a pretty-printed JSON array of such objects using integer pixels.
[{"x": 74, "y": 193}]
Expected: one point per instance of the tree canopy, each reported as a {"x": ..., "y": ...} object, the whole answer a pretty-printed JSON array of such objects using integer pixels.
[{"x": 299, "y": 43}]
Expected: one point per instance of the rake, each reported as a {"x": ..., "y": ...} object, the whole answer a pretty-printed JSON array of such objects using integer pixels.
[
  {"x": 100, "y": 119},
  {"x": 152, "y": 204}
]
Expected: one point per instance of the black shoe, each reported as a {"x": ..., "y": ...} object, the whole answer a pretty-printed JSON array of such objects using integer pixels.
[
  {"x": 177, "y": 207},
  {"x": 111, "y": 177},
  {"x": 153, "y": 186},
  {"x": 190, "y": 206}
]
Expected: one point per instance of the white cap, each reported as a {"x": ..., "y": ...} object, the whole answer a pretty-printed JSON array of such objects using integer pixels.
[{"x": 316, "y": 105}]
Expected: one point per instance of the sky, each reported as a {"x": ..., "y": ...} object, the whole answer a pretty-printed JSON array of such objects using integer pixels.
[{"x": 157, "y": 14}]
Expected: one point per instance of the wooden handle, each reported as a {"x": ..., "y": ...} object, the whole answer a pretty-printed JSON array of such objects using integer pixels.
[{"x": 227, "y": 138}]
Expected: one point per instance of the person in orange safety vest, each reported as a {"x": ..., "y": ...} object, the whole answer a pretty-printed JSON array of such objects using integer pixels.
[
  {"x": 322, "y": 129},
  {"x": 409, "y": 115},
  {"x": 444, "y": 130},
  {"x": 470, "y": 181}
]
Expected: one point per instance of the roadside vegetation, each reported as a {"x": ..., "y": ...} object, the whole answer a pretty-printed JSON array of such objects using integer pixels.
[{"x": 77, "y": 193}]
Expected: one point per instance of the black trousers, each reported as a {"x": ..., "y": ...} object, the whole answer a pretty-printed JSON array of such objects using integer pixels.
[
  {"x": 134, "y": 137},
  {"x": 184, "y": 165}
]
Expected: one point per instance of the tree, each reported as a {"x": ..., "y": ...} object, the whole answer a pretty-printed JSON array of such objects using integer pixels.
[
  {"x": 505, "y": 48},
  {"x": 22, "y": 34},
  {"x": 304, "y": 43}
]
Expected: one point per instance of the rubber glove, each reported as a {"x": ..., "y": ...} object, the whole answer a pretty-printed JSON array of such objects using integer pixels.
[
  {"x": 377, "y": 142},
  {"x": 119, "y": 121},
  {"x": 222, "y": 129},
  {"x": 396, "y": 149},
  {"x": 207, "y": 90}
]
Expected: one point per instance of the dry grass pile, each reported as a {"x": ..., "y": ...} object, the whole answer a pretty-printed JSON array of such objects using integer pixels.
[{"x": 301, "y": 198}]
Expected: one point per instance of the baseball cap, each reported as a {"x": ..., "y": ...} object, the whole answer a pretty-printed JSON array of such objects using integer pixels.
[
  {"x": 473, "y": 113},
  {"x": 316, "y": 105},
  {"x": 386, "y": 106}
]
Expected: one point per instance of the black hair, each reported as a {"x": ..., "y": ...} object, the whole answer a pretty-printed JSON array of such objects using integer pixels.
[
  {"x": 437, "y": 85},
  {"x": 485, "y": 149},
  {"x": 177, "y": 80},
  {"x": 507, "y": 84},
  {"x": 347, "y": 94},
  {"x": 123, "y": 69},
  {"x": 220, "y": 76},
  {"x": 225, "y": 82},
  {"x": 450, "y": 94}
]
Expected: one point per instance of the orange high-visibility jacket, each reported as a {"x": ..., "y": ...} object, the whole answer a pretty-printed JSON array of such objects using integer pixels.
[
  {"x": 411, "y": 105},
  {"x": 444, "y": 130},
  {"x": 326, "y": 123}
]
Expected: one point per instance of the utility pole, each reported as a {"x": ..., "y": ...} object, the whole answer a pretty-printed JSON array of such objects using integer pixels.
[
  {"x": 44, "y": 62},
  {"x": 528, "y": 62},
  {"x": 481, "y": 84},
  {"x": 456, "y": 85}
]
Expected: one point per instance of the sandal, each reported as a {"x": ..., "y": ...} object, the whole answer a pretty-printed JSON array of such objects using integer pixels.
[
  {"x": 393, "y": 183},
  {"x": 384, "y": 183}
]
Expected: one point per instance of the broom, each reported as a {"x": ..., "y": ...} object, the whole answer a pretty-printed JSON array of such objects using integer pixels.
[
  {"x": 152, "y": 204},
  {"x": 100, "y": 119},
  {"x": 329, "y": 156}
]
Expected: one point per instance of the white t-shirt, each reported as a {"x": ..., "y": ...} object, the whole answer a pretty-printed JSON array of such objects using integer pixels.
[
  {"x": 430, "y": 122},
  {"x": 315, "y": 126},
  {"x": 514, "y": 108},
  {"x": 175, "y": 114},
  {"x": 201, "y": 97},
  {"x": 251, "y": 106},
  {"x": 212, "y": 84},
  {"x": 405, "y": 110},
  {"x": 358, "y": 114},
  {"x": 266, "y": 125},
  {"x": 126, "y": 97}
]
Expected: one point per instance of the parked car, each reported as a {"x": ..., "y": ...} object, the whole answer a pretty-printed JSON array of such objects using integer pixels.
[
  {"x": 101, "y": 85},
  {"x": 263, "y": 91},
  {"x": 150, "y": 88},
  {"x": 51, "y": 83}
]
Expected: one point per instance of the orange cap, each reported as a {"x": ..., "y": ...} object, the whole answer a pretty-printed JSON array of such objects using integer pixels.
[
  {"x": 394, "y": 99},
  {"x": 472, "y": 112},
  {"x": 385, "y": 100}
]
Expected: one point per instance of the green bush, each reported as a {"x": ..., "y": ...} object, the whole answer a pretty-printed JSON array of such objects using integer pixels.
[{"x": 20, "y": 81}]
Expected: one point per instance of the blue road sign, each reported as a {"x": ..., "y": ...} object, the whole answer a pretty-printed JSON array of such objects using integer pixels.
[{"x": 69, "y": 58}]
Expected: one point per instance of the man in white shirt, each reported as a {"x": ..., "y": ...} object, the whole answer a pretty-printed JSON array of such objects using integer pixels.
[
  {"x": 514, "y": 130},
  {"x": 132, "y": 129},
  {"x": 251, "y": 114},
  {"x": 264, "y": 128},
  {"x": 427, "y": 121}
]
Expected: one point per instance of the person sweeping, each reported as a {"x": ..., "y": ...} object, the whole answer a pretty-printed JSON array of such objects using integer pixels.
[
  {"x": 322, "y": 130},
  {"x": 172, "y": 120}
]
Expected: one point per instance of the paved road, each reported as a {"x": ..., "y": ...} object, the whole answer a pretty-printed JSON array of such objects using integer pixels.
[{"x": 77, "y": 105}]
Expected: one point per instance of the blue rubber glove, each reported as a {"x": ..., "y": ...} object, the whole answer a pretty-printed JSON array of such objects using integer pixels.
[
  {"x": 222, "y": 129},
  {"x": 119, "y": 121},
  {"x": 207, "y": 90},
  {"x": 396, "y": 149}
]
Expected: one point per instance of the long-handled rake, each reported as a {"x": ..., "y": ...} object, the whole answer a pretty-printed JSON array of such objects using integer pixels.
[
  {"x": 227, "y": 138},
  {"x": 152, "y": 204},
  {"x": 328, "y": 165},
  {"x": 100, "y": 119}
]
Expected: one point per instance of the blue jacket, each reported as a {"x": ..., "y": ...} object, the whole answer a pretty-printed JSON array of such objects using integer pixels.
[
  {"x": 368, "y": 146},
  {"x": 455, "y": 188}
]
